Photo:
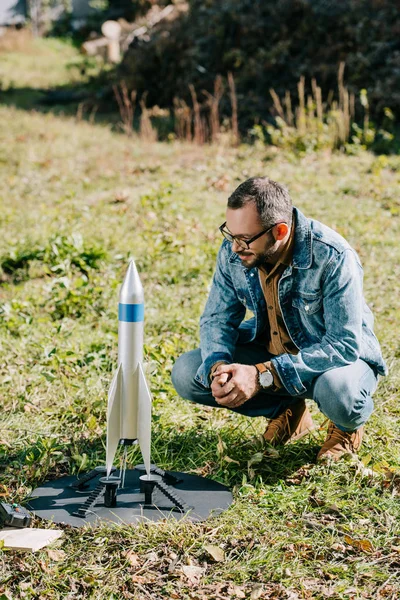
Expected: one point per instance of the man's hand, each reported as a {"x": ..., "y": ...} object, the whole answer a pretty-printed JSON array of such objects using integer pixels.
[{"x": 234, "y": 384}]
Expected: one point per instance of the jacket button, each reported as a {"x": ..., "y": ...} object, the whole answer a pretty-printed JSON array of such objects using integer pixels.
[{"x": 307, "y": 308}]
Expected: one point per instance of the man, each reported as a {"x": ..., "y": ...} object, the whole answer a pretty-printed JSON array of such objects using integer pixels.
[{"x": 311, "y": 335}]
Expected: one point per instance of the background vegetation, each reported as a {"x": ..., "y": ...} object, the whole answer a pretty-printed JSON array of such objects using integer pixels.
[
  {"x": 268, "y": 44},
  {"x": 77, "y": 200}
]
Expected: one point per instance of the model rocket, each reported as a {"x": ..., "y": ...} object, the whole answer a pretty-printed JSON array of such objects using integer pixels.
[{"x": 129, "y": 399}]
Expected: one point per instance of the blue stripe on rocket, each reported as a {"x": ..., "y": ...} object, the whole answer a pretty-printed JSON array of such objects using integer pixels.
[{"x": 131, "y": 313}]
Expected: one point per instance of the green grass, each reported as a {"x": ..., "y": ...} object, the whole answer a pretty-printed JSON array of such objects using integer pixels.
[
  {"x": 76, "y": 201},
  {"x": 41, "y": 64}
]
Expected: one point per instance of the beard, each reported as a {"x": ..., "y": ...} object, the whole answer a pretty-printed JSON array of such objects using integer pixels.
[{"x": 252, "y": 260}]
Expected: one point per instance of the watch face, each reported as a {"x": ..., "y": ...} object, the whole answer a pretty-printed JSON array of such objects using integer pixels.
[{"x": 266, "y": 379}]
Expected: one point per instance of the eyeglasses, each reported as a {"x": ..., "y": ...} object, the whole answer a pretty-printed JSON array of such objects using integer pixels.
[{"x": 244, "y": 244}]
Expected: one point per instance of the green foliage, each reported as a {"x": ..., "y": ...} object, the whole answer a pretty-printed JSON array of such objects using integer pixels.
[
  {"x": 270, "y": 44},
  {"x": 60, "y": 256},
  {"x": 296, "y": 529},
  {"x": 318, "y": 126},
  {"x": 317, "y": 136}
]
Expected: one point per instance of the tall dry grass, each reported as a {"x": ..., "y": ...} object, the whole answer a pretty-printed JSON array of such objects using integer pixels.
[
  {"x": 126, "y": 104},
  {"x": 326, "y": 123},
  {"x": 304, "y": 121}
]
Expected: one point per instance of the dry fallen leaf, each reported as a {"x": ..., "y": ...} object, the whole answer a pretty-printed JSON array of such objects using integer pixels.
[
  {"x": 361, "y": 545},
  {"x": 151, "y": 556},
  {"x": 121, "y": 196},
  {"x": 193, "y": 574},
  {"x": 56, "y": 555},
  {"x": 339, "y": 547},
  {"x": 216, "y": 552},
  {"x": 236, "y": 591},
  {"x": 221, "y": 446},
  {"x": 132, "y": 558},
  {"x": 228, "y": 459},
  {"x": 256, "y": 592}
]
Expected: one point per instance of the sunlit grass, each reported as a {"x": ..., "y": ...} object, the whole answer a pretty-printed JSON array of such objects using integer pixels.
[{"x": 76, "y": 201}]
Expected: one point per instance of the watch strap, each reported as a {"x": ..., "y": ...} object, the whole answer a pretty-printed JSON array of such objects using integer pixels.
[{"x": 261, "y": 368}]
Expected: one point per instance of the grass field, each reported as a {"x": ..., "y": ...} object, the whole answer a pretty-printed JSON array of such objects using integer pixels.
[{"x": 77, "y": 200}]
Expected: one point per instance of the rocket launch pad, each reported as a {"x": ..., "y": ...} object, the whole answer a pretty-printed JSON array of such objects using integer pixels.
[{"x": 145, "y": 492}]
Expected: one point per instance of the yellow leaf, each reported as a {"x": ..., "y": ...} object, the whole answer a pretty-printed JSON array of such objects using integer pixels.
[
  {"x": 362, "y": 545},
  {"x": 228, "y": 459},
  {"x": 216, "y": 552},
  {"x": 220, "y": 446},
  {"x": 366, "y": 546}
]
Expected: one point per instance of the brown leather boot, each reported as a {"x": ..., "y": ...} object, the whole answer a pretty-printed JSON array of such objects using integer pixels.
[
  {"x": 294, "y": 423},
  {"x": 339, "y": 443}
]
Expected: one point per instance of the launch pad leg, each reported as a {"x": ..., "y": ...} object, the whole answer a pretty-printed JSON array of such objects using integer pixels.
[
  {"x": 110, "y": 493},
  {"x": 147, "y": 485}
]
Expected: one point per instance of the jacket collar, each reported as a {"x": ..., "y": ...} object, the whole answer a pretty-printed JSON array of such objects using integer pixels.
[{"x": 302, "y": 250}]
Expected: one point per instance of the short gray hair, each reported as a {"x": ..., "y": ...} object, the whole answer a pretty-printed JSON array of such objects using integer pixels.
[{"x": 272, "y": 200}]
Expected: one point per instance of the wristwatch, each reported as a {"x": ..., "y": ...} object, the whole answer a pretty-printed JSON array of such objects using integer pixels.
[{"x": 265, "y": 377}]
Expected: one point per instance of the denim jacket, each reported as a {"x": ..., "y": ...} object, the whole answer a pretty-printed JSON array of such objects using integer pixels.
[{"x": 322, "y": 304}]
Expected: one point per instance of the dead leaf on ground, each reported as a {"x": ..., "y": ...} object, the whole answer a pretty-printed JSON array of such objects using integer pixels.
[
  {"x": 338, "y": 547},
  {"x": 132, "y": 558},
  {"x": 300, "y": 474},
  {"x": 193, "y": 574},
  {"x": 221, "y": 446},
  {"x": 151, "y": 556},
  {"x": 216, "y": 552},
  {"x": 256, "y": 592},
  {"x": 139, "y": 579},
  {"x": 56, "y": 555},
  {"x": 228, "y": 459},
  {"x": 236, "y": 591},
  {"x": 121, "y": 196},
  {"x": 361, "y": 545},
  {"x": 314, "y": 500}
]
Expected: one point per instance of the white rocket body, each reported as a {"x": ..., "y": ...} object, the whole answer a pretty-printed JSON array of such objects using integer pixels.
[{"x": 129, "y": 399}]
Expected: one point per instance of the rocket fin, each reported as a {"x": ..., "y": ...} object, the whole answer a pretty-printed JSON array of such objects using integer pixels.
[
  {"x": 144, "y": 418},
  {"x": 113, "y": 419}
]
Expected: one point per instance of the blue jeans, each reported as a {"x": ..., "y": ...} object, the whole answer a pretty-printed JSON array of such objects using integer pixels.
[{"x": 343, "y": 394}]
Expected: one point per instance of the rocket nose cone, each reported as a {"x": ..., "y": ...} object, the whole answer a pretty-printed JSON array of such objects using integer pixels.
[{"x": 131, "y": 289}]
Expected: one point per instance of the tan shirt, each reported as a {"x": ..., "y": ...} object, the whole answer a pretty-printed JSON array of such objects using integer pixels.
[{"x": 276, "y": 337}]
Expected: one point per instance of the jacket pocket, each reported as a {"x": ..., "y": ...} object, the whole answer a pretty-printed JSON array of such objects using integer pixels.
[{"x": 308, "y": 305}]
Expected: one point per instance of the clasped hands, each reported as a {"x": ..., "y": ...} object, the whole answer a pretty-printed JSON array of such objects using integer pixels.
[{"x": 234, "y": 384}]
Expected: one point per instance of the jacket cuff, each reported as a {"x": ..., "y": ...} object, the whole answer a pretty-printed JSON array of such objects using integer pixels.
[
  {"x": 288, "y": 374},
  {"x": 203, "y": 373}
]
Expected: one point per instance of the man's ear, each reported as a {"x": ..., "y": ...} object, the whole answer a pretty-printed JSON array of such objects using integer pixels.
[{"x": 280, "y": 231}]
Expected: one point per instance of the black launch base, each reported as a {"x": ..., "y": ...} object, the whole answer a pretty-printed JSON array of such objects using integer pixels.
[{"x": 93, "y": 499}]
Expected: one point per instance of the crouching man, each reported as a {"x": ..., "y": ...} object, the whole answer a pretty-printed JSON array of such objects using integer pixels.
[{"x": 311, "y": 335}]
